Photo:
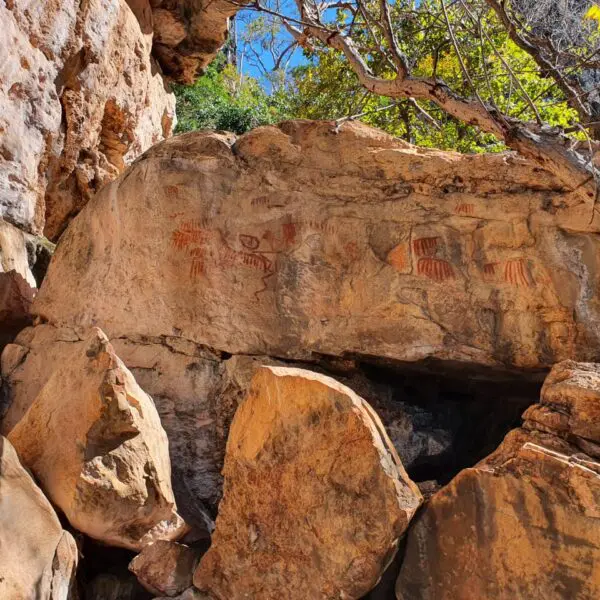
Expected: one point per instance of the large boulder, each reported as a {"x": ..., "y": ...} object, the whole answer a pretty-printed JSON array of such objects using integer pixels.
[
  {"x": 94, "y": 440},
  {"x": 80, "y": 98},
  {"x": 38, "y": 558},
  {"x": 315, "y": 495},
  {"x": 524, "y": 522},
  {"x": 306, "y": 239},
  {"x": 195, "y": 391}
]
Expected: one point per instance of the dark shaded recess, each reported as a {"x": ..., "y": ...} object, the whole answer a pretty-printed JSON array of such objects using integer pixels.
[
  {"x": 16, "y": 296},
  {"x": 442, "y": 416},
  {"x": 386, "y": 588},
  {"x": 39, "y": 253},
  {"x": 477, "y": 409},
  {"x": 103, "y": 573}
]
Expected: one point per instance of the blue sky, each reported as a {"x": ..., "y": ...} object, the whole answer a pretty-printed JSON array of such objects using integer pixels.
[{"x": 244, "y": 17}]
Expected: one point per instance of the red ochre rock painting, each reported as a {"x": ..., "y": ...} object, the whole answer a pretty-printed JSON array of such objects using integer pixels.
[
  {"x": 208, "y": 246},
  {"x": 426, "y": 246},
  {"x": 435, "y": 268},
  {"x": 249, "y": 241},
  {"x": 516, "y": 273},
  {"x": 490, "y": 269},
  {"x": 464, "y": 209},
  {"x": 172, "y": 190},
  {"x": 205, "y": 246},
  {"x": 289, "y": 233}
]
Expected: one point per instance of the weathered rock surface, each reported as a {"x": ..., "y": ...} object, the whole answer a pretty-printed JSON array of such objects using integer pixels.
[
  {"x": 165, "y": 568},
  {"x": 525, "y": 522},
  {"x": 315, "y": 495},
  {"x": 38, "y": 558},
  {"x": 196, "y": 392},
  {"x": 80, "y": 97},
  {"x": 94, "y": 440},
  {"x": 300, "y": 240},
  {"x": 187, "y": 33}
]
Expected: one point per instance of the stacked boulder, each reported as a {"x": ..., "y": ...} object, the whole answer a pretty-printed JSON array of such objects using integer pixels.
[
  {"x": 524, "y": 522},
  {"x": 188, "y": 293},
  {"x": 93, "y": 439},
  {"x": 315, "y": 498}
]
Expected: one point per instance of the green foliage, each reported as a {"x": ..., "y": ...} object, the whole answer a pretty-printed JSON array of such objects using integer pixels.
[
  {"x": 222, "y": 99},
  {"x": 326, "y": 87}
]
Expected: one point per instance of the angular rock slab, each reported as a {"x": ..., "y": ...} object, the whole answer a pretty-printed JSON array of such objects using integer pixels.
[
  {"x": 315, "y": 495},
  {"x": 300, "y": 239},
  {"x": 94, "y": 440},
  {"x": 525, "y": 522},
  {"x": 37, "y": 558},
  {"x": 165, "y": 568}
]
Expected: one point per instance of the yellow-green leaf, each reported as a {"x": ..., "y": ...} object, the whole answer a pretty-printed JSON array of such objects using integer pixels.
[{"x": 593, "y": 12}]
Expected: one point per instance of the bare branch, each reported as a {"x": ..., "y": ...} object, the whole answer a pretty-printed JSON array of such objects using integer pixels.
[
  {"x": 534, "y": 50},
  {"x": 504, "y": 63},
  {"x": 424, "y": 114},
  {"x": 388, "y": 31}
]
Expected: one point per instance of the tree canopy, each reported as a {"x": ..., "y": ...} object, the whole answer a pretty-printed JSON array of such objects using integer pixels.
[
  {"x": 225, "y": 99},
  {"x": 471, "y": 75}
]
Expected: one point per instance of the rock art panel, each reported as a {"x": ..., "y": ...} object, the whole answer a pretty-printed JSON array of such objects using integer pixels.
[
  {"x": 315, "y": 495},
  {"x": 523, "y": 523},
  {"x": 329, "y": 256},
  {"x": 38, "y": 558},
  {"x": 94, "y": 440}
]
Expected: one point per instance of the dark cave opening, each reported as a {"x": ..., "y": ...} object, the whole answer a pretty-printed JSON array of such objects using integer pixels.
[{"x": 443, "y": 417}]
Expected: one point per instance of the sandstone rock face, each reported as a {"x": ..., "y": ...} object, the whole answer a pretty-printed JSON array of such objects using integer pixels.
[
  {"x": 94, "y": 440},
  {"x": 315, "y": 495},
  {"x": 80, "y": 98},
  {"x": 38, "y": 559},
  {"x": 187, "y": 33},
  {"x": 196, "y": 393},
  {"x": 523, "y": 523},
  {"x": 165, "y": 568},
  {"x": 13, "y": 252},
  {"x": 300, "y": 240}
]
